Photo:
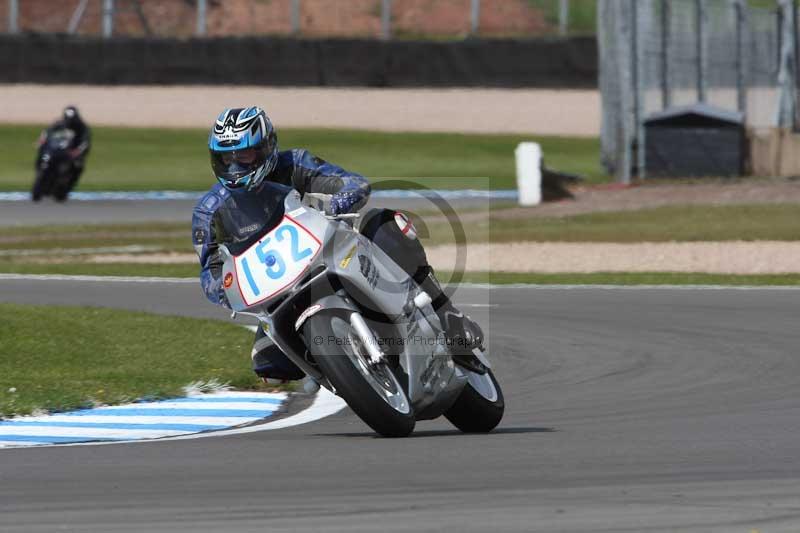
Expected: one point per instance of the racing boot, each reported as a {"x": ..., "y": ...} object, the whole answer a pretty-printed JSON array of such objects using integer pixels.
[
  {"x": 270, "y": 363},
  {"x": 463, "y": 334}
]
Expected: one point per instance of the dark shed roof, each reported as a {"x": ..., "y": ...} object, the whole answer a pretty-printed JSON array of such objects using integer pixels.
[{"x": 701, "y": 112}]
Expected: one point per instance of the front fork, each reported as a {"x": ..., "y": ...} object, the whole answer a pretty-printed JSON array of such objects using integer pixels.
[{"x": 367, "y": 338}]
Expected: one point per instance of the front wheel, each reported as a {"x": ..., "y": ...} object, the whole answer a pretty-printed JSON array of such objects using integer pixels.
[
  {"x": 39, "y": 186},
  {"x": 480, "y": 406},
  {"x": 373, "y": 392}
]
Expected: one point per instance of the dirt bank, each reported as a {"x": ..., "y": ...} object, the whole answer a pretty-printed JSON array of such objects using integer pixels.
[
  {"x": 762, "y": 257},
  {"x": 543, "y": 112}
]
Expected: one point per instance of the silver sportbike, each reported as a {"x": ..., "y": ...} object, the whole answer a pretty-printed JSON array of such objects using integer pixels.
[{"x": 345, "y": 313}]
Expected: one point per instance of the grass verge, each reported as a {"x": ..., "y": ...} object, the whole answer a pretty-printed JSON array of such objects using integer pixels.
[
  {"x": 664, "y": 224},
  {"x": 57, "y": 358},
  {"x": 501, "y": 278},
  {"x": 136, "y": 159}
]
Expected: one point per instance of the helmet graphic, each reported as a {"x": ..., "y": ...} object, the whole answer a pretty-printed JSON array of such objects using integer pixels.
[{"x": 243, "y": 147}]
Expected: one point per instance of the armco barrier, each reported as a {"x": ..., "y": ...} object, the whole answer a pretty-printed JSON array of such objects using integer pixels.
[{"x": 563, "y": 63}]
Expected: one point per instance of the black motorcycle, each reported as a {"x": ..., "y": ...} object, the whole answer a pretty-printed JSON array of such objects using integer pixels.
[{"x": 55, "y": 167}]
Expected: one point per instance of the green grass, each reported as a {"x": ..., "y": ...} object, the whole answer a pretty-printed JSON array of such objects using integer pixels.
[
  {"x": 664, "y": 224},
  {"x": 137, "y": 159},
  {"x": 596, "y": 278},
  {"x": 58, "y": 358},
  {"x": 171, "y": 236},
  {"x": 582, "y": 15}
]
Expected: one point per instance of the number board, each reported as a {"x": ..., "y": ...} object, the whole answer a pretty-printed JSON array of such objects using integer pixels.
[{"x": 275, "y": 261}]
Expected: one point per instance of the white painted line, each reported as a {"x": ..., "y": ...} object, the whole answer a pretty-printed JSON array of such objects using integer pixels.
[
  {"x": 88, "y": 433},
  {"x": 447, "y": 194},
  {"x": 14, "y": 443},
  {"x": 605, "y": 287},
  {"x": 97, "y": 279},
  {"x": 228, "y": 421}
]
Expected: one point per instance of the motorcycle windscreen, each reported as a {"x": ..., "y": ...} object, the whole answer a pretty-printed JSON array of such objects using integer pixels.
[
  {"x": 245, "y": 216},
  {"x": 60, "y": 139}
]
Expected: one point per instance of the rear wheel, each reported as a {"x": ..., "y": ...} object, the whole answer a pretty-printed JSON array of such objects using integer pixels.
[
  {"x": 373, "y": 392},
  {"x": 480, "y": 406}
]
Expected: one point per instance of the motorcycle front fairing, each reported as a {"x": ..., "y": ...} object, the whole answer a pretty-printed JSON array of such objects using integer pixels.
[{"x": 307, "y": 262}]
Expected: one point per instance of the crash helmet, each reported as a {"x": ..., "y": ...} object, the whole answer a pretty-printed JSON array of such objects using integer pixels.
[
  {"x": 71, "y": 115},
  {"x": 243, "y": 147}
]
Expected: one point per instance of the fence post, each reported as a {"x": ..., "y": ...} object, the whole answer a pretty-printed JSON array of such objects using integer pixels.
[
  {"x": 77, "y": 15},
  {"x": 108, "y": 18},
  {"x": 386, "y": 19},
  {"x": 475, "y": 17},
  {"x": 637, "y": 116},
  {"x": 779, "y": 23},
  {"x": 200, "y": 29},
  {"x": 13, "y": 16},
  {"x": 700, "y": 16},
  {"x": 295, "y": 17},
  {"x": 637, "y": 54},
  {"x": 787, "y": 77},
  {"x": 741, "y": 82},
  {"x": 563, "y": 17},
  {"x": 629, "y": 106},
  {"x": 666, "y": 28}
]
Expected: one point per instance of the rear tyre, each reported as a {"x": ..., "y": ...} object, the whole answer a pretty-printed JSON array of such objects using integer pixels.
[
  {"x": 480, "y": 406},
  {"x": 372, "y": 392}
]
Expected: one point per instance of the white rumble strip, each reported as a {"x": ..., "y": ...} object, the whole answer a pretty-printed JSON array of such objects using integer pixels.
[{"x": 143, "y": 420}]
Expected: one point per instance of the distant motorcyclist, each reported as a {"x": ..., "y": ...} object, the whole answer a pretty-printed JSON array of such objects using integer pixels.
[
  {"x": 77, "y": 142},
  {"x": 244, "y": 155}
]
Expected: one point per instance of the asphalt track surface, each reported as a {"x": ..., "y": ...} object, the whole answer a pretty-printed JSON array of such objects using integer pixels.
[
  {"x": 627, "y": 410},
  {"x": 48, "y": 212}
]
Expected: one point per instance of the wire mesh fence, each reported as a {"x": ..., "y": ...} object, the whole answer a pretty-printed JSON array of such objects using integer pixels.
[
  {"x": 308, "y": 18},
  {"x": 662, "y": 54}
]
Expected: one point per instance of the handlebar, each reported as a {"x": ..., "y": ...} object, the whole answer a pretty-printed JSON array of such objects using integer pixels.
[{"x": 343, "y": 216}]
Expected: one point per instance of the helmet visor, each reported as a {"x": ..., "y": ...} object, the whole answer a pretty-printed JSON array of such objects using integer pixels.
[{"x": 235, "y": 166}]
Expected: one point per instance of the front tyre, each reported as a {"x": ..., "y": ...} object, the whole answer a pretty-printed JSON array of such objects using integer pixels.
[
  {"x": 480, "y": 406},
  {"x": 372, "y": 391},
  {"x": 38, "y": 189}
]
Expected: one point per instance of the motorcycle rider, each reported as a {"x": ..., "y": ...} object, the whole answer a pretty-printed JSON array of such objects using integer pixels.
[
  {"x": 78, "y": 147},
  {"x": 244, "y": 155}
]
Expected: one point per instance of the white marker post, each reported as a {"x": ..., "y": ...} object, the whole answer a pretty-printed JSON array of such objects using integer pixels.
[{"x": 529, "y": 173}]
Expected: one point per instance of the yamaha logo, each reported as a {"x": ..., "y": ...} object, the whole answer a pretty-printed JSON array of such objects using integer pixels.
[{"x": 228, "y": 281}]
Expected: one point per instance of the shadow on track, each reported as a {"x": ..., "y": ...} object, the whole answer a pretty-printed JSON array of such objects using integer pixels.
[{"x": 446, "y": 433}]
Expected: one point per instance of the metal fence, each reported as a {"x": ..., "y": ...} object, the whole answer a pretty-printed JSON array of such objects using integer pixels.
[
  {"x": 357, "y": 18},
  {"x": 658, "y": 54}
]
